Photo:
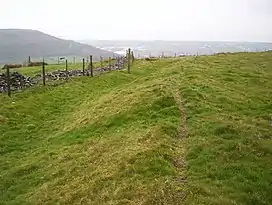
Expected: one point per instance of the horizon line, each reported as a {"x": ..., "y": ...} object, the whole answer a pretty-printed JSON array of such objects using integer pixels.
[{"x": 145, "y": 40}]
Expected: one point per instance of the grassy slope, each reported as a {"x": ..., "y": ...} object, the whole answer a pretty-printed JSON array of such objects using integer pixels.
[
  {"x": 115, "y": 139},
  {"x": 102, "y": 140},
  {"x": 228, "y": 101}
]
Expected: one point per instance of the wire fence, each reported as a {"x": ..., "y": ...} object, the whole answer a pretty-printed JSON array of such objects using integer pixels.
[
  {"x": 48, "y": 74},
  {"x": 62, "y": 69}
]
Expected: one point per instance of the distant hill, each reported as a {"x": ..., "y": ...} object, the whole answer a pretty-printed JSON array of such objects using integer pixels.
[
  {"x": 17, "y": 44},
  {"x": 155, "y": 48}
]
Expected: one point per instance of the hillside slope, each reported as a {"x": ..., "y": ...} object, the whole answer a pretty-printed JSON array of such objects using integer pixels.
[
  {"x": 17, "y": 44},
  {"x": 175, "y": 131}
]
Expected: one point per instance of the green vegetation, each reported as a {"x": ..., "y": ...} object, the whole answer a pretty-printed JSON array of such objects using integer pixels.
[
  {"x": 124, "y": 138},
  {"x": 228, "y": 103}
]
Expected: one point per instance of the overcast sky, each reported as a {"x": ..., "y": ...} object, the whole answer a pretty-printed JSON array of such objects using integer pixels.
[{"x": 232, "y": 20}]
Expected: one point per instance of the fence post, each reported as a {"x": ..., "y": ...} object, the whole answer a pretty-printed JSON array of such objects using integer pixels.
[
  {"x": 21, "y": 82},
  {"x": 74, "y": 60},
  {"x": 175, "y": 55},
  {"x": 101, "y": 62},
  {"x": 117, "y": 62},
  {"x": 132, "y": 56},
  {"x": 83, "y": 66},
  {"x": 8, "y": 81},
  {"x": 91, "y": 63},
  {"x": 58, "y": 60},
  {"x": 110, "y": 63},
  {"x": 128, "y": 56},
  {"x": 66, "y": 69},
  {"x": 43, "y": 72}
]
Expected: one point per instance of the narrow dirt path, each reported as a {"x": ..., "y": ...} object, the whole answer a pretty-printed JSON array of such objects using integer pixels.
[
  {"x": 180, "y": 161},
  {"x": 183, "y": 128}
]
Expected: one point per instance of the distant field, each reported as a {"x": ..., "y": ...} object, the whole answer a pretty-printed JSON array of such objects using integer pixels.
[
  {"x": 169, "y": 48},
  {"x": 32, "y": 71},
  {"x": 175, "y": 131}
]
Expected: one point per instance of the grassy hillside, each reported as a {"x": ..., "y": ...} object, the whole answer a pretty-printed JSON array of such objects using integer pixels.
[
  {"x": 17, "y": 44},
  {"x": 175, "y": 131}
]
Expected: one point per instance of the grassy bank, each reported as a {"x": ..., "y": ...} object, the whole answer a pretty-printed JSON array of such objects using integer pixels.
[
  {"x": 175, "y": 131},
  {"x": 229, "y": 110}
]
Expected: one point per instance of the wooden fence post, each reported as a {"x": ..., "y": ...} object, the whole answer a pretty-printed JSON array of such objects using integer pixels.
[
  {"x": 117, "y": 62},
  {"x": 8, "y": 81},
  {"x": 132, "y": 56},
  {"x": 83, "y": 66},
  {"x": 21, "y": 82},
  {"x": 74, "y": 60},
  {"x": 66, "y": 69},
  {"x": 43, "y": 72},
  {"x": 128, "y": 59},
  {"x": 91, "y": 63},
  {"x": 110, "y": 63},
  {"x": 58, "y": 60},
  {"x": 101, "y": 62}
]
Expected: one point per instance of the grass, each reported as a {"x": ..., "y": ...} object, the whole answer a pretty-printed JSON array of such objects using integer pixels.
[
  {"x": 229, "y": 117},
  {"x": 115, "y": 138}
]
